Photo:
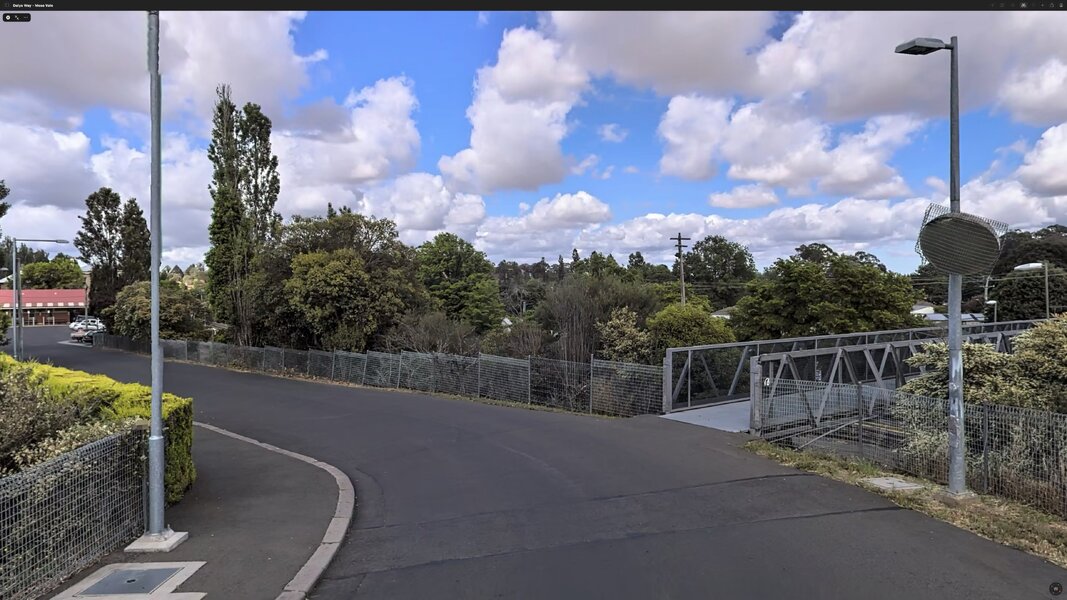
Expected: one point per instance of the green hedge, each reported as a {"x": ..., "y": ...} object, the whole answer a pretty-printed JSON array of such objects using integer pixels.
[{"x": 119, "y": 401}]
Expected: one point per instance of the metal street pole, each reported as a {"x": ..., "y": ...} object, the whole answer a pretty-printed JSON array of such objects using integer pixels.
[
  {"x": 16, "y": 293},
  {"x": 158, "y": 538},
  {"x": 957, "y": 474},
  {"x": 14, "y": 300},
  {"x": 155, "y": 438}
]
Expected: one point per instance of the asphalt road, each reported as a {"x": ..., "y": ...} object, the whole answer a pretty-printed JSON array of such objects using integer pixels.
[{"x": 457, "y": 499}]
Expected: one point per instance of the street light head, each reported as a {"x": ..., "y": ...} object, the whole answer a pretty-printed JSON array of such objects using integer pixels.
[
  {"x": 990, "y": 302},
  {"x": 921, "y": 46},
  {"x": 1030, "y": 267}
]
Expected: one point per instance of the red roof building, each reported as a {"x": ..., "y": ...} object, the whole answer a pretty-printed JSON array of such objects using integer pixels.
[{"x": 46, "y": 299}]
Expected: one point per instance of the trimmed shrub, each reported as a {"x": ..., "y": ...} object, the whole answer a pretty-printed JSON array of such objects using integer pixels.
[{"x": 115, "y": 401}]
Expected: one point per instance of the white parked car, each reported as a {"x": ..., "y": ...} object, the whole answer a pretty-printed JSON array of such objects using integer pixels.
[
  {"x": 78, "y": 319},
  {"x": 90, "y": 323}
]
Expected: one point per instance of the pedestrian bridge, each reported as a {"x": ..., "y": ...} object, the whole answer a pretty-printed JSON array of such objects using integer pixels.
[{"x": 712, "y": 385}]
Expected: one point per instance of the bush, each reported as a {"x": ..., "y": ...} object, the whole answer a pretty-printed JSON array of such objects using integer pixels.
[
  {"x": 680, "y": 325},
  {"x": 29, "y": 414},
  {"x": 120, "y": 402}
]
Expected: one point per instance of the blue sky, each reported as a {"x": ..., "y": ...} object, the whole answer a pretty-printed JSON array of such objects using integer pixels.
[{"x": 533, "y": 133}]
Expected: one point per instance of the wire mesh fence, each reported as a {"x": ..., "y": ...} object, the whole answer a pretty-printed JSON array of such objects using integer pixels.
[
  {"x": 382, "y": 370},
  {"x": 504, "y": 379},
  {"x": 601, "y": 387},
  {"x": 349, "y": 367},
  {"x": 1012, "y": 452},
  {"x": 561, "y": 384},
  {"x": 320, "y": 364},
  {"x": 626, "y": 389},
  {"x": 64, "y": 514}
]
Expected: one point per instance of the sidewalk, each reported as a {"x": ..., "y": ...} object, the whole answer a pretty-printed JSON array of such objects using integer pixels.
[{"x": 253, "y": 515}]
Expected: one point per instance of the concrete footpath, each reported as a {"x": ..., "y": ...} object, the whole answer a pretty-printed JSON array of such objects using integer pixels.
[{"x": 255, "y": 516}]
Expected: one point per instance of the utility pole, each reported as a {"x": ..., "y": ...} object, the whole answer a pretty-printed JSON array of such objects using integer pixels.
[{"x": 681, "y": 260}]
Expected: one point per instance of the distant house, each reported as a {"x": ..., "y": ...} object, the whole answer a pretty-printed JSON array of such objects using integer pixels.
[{"x": 724, "y": 313}]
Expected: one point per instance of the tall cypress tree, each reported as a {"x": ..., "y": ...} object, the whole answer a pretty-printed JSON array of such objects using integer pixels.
[
  {"x": 227, "y": 232},
  {"x": 259, "y": 183},
  {"x": 244, "y": 190}
]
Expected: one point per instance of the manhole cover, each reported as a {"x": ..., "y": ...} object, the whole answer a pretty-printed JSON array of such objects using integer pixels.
[{"x": 130, "y": 581}]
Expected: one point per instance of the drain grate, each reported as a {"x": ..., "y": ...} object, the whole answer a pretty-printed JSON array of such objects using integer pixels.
[{"x": 130, "y": 581}]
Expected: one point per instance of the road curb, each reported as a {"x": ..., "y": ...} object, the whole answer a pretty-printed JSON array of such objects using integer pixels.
[{"x": 309, "y": 574}]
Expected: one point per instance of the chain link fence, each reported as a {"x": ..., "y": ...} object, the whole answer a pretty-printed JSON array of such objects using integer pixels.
[
  {"x": 1012, "y": 452},
  {"x": 63, "y": 515},
  {"x": 600, "y": 387}
]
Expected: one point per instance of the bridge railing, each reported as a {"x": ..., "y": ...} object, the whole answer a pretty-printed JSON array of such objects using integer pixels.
[{"x": 717, "y": 373}]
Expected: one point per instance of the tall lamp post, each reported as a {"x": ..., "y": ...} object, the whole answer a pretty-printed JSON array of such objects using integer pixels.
[
  {"x": 16, "y": 294},
  {"x": 158, "y": 537},
  {"x": 1033, "y": 267},
  {"x": 957, "y": 480}
]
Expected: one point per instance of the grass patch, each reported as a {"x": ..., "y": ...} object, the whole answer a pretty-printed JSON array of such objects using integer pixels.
[{"x": 1003, "y": 521}]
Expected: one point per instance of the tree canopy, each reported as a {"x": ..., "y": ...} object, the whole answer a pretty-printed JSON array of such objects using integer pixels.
[
  {"x": 60, "y": 273},
  {"x": 826, "y": 295}
]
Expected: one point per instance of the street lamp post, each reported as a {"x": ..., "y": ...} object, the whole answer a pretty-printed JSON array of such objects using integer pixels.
[
  {"x": 16, "y": 294},
  {"x": 158, "y": 537},
  {"x": 1033, "y": 267},
  {"x": 993, "y": 303},
  {"x": 957, "y": 474}
]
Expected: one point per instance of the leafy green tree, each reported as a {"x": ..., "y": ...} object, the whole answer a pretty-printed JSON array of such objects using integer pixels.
[
  {"x": 622, "y": 340},
  {"x": 460, "y": 280},
  {"x": 182, "y": 313},
  {"x": 4, "y": 191},
  {"x": 719, "y": 268},
  {"x": 1039, "y": 363},
  {"x": 100, "y": 244},
  {"x": 599, "y": 265},
  {"x": 1033, "y": 376},
  {"x": 686, "y": 325},
  {"x": 671, "y": 293},
  {"x": 60, "y": 273},
  {"x": 341, "y": 303},
  {"x": 571, "y": 310},
  {"x": 800, "y": 297},
  {"x": 1021, "y": 295},
  {"x": 136, "y": 251},
  {"x": 817, "y": 253},
  {"x": 1022, "y": 247}
]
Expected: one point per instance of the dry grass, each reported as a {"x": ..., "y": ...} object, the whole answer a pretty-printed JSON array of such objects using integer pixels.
[{"x": 1003, "y": 521}]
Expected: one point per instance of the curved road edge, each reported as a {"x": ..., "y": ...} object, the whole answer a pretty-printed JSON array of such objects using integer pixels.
[{"x": 308, "y": 575}]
